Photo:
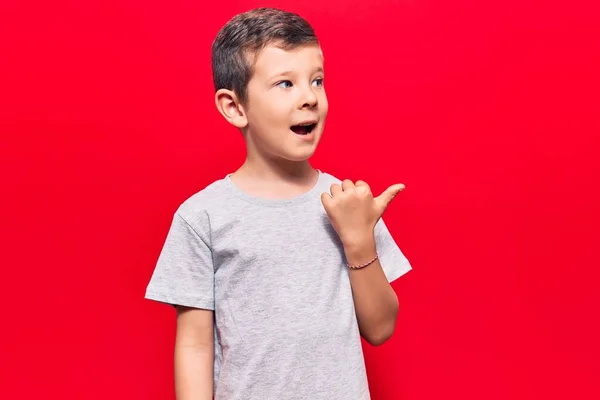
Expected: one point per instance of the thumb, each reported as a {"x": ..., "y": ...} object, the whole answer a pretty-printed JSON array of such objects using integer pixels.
[{"x": 384, "y": 199}]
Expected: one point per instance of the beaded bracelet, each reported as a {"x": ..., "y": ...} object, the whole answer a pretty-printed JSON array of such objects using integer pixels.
[{"x": 363, "y": 265}]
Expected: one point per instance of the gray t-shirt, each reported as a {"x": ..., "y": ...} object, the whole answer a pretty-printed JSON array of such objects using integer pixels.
[{"x": 274, "y": 273}]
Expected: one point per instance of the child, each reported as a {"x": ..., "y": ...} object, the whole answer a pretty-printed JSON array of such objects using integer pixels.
[{"x": 277, "y": 269}]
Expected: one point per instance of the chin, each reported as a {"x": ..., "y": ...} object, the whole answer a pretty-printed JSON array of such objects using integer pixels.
[
  {"x": 300, "y": 154},
  {"x": 299, "y": 157}
]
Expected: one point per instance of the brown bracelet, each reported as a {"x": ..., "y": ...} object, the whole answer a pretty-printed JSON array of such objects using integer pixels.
[{"x": 363, "y": 265}]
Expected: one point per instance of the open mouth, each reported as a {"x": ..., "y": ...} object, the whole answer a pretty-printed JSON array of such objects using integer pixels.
[{"x": 303, "y": 129}]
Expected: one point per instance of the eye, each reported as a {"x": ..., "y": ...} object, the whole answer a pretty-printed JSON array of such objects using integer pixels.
[
  {"x": 284, "y": 84},
  {"x": 318, "y": 82}
]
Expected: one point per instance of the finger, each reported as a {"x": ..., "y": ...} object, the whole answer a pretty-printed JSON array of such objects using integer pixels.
[
  {"x": 364, "y": 185},
  {"x": 326, "y": 199},
  {"x": 335, "y": 189},
  {"x": 347, "y": 185},
  {"x": 384, "y": 199}
]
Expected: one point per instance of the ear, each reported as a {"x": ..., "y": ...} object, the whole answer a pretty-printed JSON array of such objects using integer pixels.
[{"x": 230, "y": 108}]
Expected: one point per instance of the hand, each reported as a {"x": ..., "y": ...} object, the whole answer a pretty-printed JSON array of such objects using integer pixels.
[{"x": 354, "y": 212}]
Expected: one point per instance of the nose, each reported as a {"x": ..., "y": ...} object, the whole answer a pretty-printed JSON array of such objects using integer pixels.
[{"x": 309, "y": 98}]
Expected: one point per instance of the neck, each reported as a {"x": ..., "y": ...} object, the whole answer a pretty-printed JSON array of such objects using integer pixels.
[{"x": 265, "y": 169}]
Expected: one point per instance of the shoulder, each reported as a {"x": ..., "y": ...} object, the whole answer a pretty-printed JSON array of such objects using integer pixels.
[
  {"x": 328, "y": 178},
  {"x": 196, "y": 208}
]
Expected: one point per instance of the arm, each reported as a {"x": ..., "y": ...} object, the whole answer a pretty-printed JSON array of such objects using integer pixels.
[
  {"x": 375, "y": 301},
  {"x": 194, "y": 354},
  {"x": 354, "y": 213}
]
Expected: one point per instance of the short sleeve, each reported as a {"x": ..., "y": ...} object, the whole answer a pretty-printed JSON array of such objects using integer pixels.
[
  {"x": 184, "y": 273},
  {"x": 392, "y": 260}
]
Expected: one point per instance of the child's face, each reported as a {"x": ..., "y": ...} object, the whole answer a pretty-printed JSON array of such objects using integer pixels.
[{"x": 285, "y": 92}]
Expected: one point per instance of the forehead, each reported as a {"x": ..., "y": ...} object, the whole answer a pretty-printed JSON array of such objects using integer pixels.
[{"x": 272, "y": 60}]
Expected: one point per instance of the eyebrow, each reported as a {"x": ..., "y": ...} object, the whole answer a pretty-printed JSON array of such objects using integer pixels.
[{"x": 288, "y": 72}]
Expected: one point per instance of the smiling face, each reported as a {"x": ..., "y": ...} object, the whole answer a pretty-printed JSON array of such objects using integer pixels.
[{"x": 286, "y": 106}]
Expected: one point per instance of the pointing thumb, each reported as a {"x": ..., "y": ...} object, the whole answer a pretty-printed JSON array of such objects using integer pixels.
[{"x": 384, "y": 199}]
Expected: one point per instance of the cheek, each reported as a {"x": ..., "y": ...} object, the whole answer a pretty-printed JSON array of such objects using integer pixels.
[
  {"x": 324, "y": 105},
  {"x": 259, "y": 113},
  {"x": 277, "y": 114},
  {"x": 268, "y": 116}
]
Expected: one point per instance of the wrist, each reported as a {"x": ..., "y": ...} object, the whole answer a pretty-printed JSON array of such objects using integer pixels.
[{"x": 360, "y": 250}]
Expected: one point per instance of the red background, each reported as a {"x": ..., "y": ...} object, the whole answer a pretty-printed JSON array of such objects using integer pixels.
[{"x": 487, "y": 111}]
